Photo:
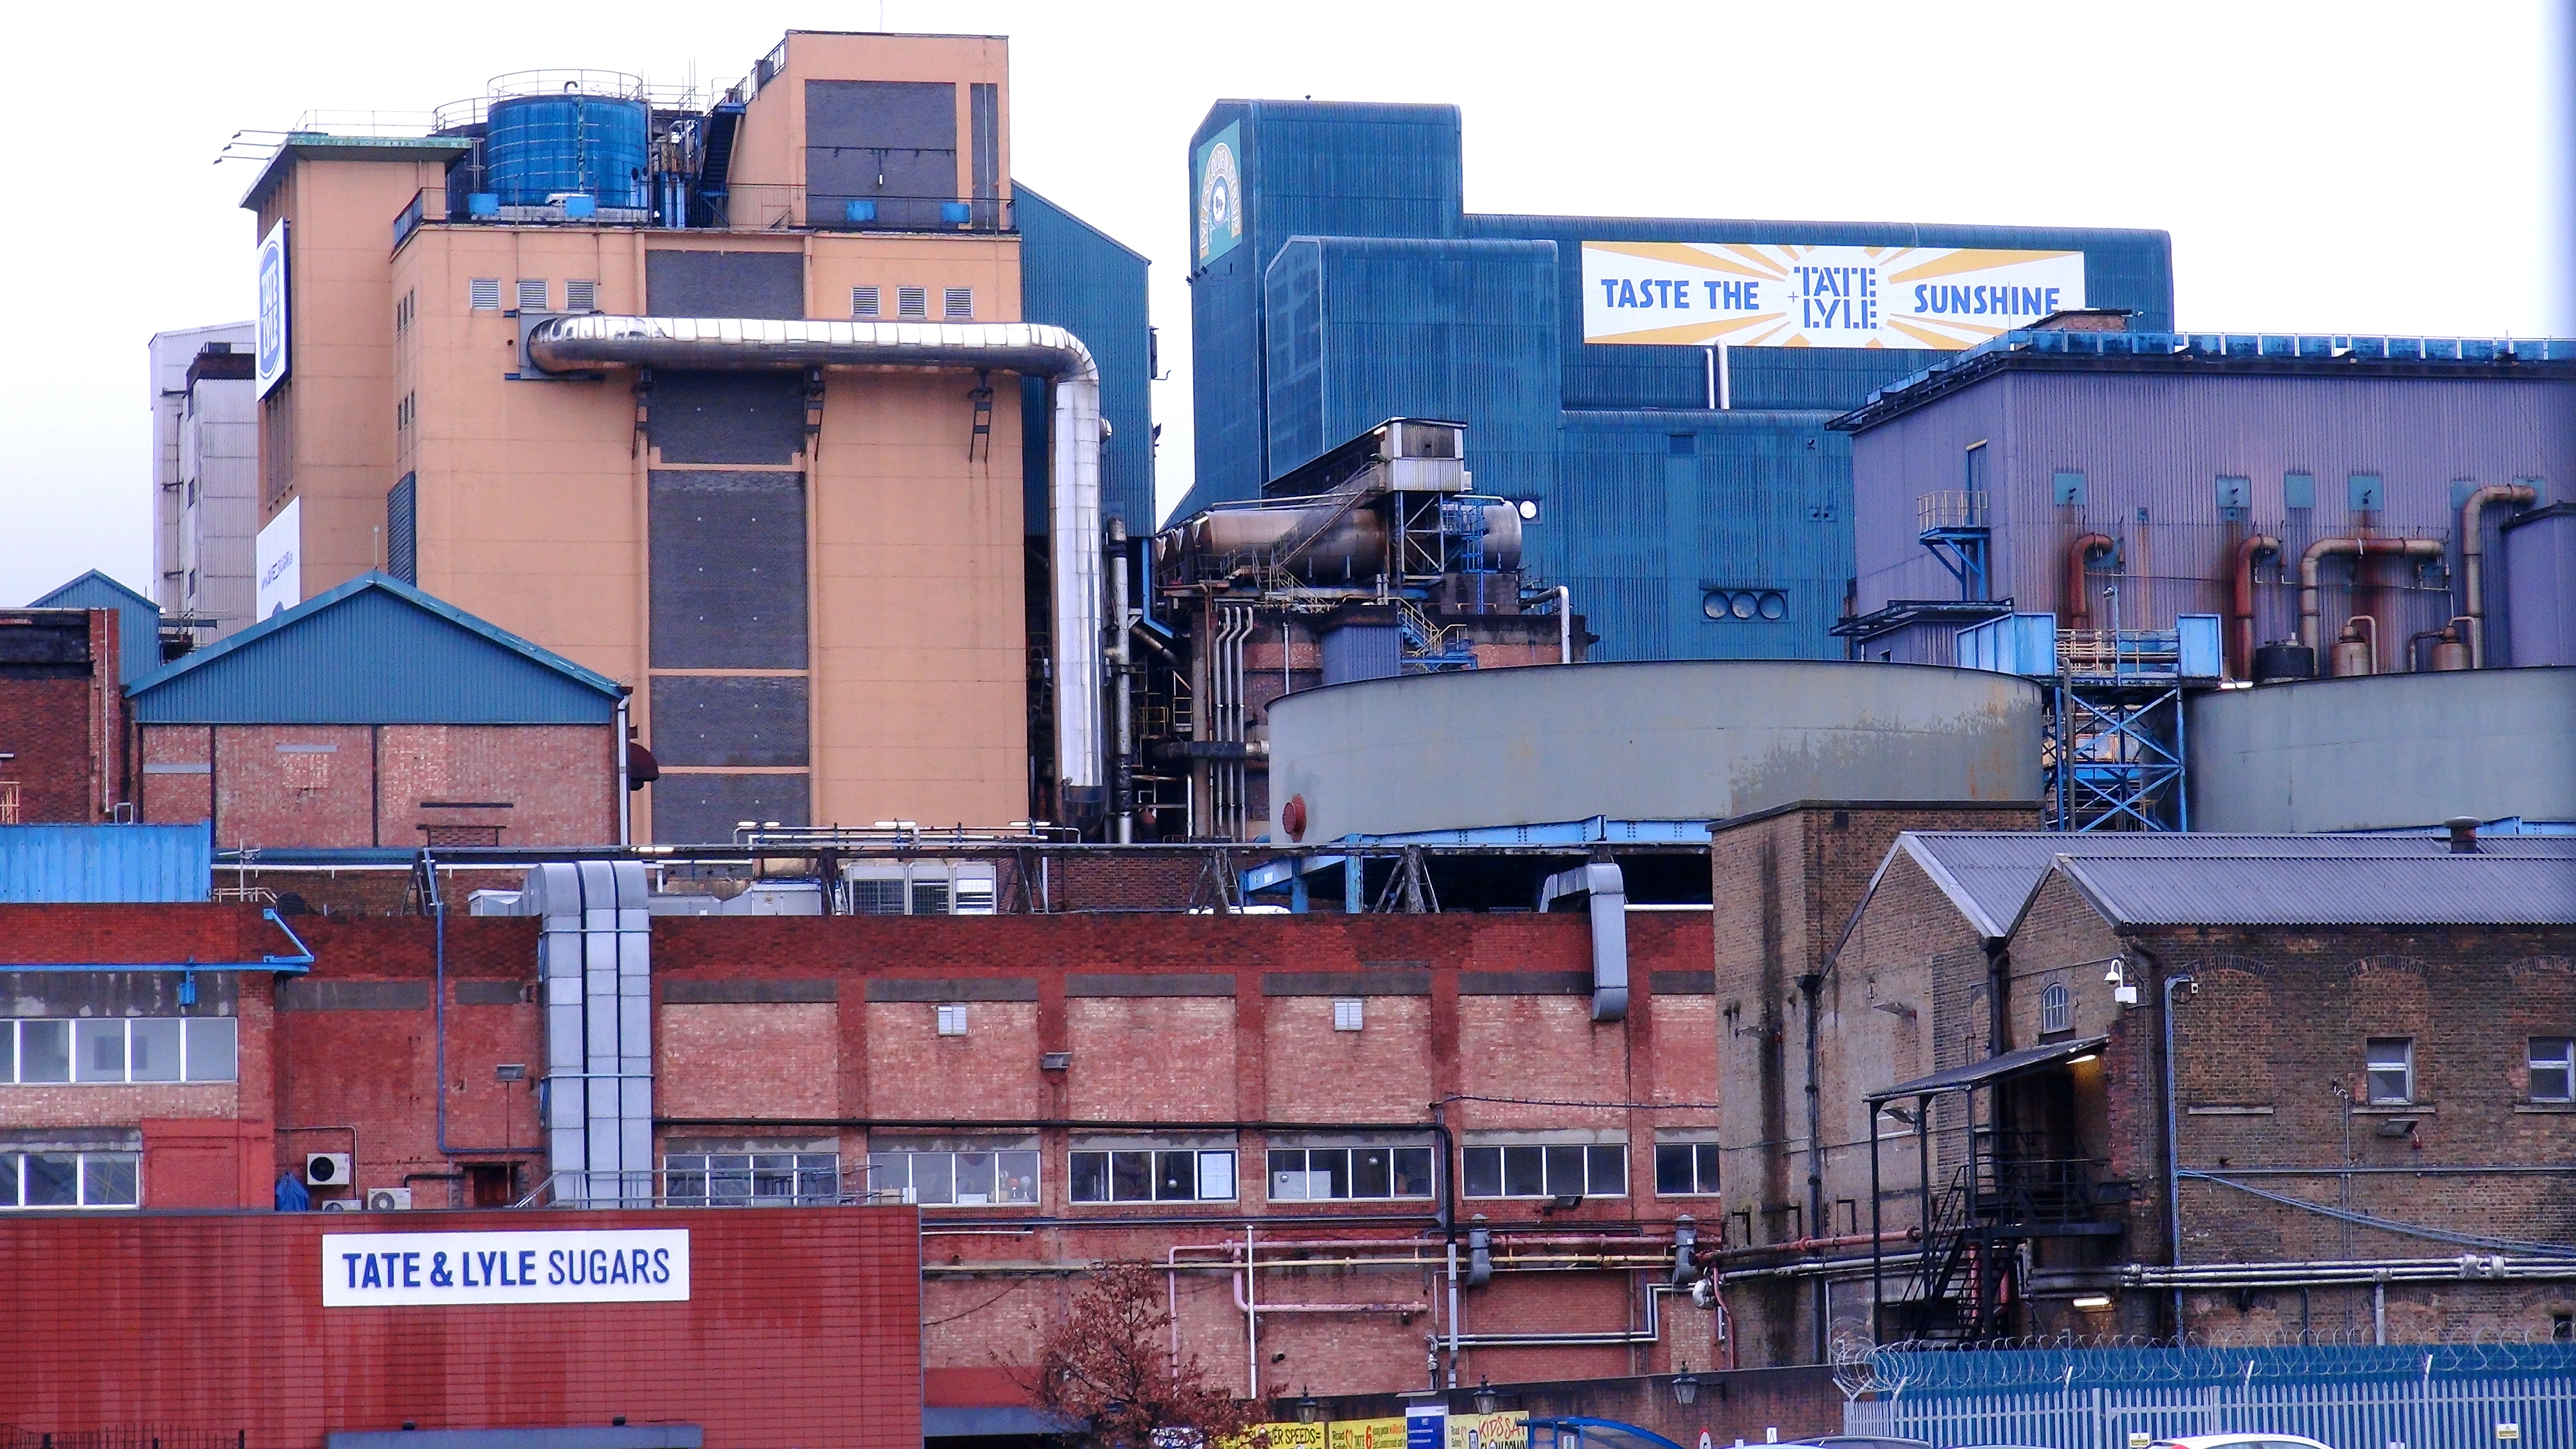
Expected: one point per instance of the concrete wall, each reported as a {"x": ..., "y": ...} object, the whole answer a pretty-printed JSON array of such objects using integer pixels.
[
  {"x": 2384, "y": 752},
  {"x": 1670, "y": 741}
]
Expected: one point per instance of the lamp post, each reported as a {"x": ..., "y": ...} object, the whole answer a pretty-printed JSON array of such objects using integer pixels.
[
  {"x": 1486, "y": 1399},
  {"x": 1308, "y": 1411},
  {"x": 1685, "y": 1387}
]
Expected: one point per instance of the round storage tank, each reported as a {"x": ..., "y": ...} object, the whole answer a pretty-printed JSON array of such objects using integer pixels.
[
  {"x": 2384, "y": 752},
  {"x": 568, "y": 144},
  {"x": 1682, "y": 740}
]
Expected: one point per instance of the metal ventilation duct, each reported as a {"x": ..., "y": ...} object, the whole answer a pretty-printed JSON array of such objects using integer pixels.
[
  {"x": 595, "y": 961},
  {"x": 593, "y": 341}
]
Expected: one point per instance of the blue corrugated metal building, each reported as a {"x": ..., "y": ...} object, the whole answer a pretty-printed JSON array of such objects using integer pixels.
[
  {"x": 138, "y": 619},
  {"x": 105, "y": 862},
  {"x": 375, "y": 650},
  {"x": 1072, "y": 275},
  {"x": 1344, "y": 282}
]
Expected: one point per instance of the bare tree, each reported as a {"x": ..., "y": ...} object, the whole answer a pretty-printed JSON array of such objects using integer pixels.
[{"x": 1108, "y": 1366}]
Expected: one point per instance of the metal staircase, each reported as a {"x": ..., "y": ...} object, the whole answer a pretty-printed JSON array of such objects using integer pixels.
[{"x": 1969, "y": 1287}]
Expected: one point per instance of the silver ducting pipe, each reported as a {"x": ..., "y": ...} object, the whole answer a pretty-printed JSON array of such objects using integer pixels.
[
  {"x": 723, "y": 344},
  {"x": 2473, "y": 556}
]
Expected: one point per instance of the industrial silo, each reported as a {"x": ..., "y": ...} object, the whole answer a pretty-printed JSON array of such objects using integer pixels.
[{"x": 569, "y": 143}]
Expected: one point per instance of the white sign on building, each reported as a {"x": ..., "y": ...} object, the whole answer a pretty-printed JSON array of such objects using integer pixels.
[
  {"x": 270, "y": 365},
  {"x": 1744, "y": 294},
  {"x": 413, "y": 1270},
  {"x": 279, "y": 558}
]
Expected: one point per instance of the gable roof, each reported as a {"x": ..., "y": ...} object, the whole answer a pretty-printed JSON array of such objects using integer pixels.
[
  {"x": 2287, "y": 890},
  {"x": 375, "y": 650},
  {"x": 1990, "y": 876},
  {"x": 138, "y": 620}
]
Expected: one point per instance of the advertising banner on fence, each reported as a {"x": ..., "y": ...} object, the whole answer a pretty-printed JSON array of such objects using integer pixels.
[
  {"x": 1367, "y": 1434},
  {"x": 1489, "y": 1431},
  {"x": 1699, "y": 294},
  {"x": 395, "y": 1270}
]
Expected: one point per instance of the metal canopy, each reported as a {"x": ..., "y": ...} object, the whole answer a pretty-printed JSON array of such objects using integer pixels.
[{"x": 1992, "y": 1069}]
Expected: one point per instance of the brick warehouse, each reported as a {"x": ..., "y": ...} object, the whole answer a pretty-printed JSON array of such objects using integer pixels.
[{"x": 276, "y": 1367}]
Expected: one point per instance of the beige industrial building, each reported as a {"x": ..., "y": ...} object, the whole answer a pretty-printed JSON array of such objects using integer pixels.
[
  {"x": 700, "y": 392},
  {"x": 205, "y": 476}
]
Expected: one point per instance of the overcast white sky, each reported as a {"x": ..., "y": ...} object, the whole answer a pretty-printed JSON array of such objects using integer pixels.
[{"x": 2338, "y": 167}]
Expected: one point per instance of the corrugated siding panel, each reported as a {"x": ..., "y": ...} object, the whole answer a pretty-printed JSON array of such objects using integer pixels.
[
  {"x": 1074, "y": 276},
  {"x": 371, "y": 658},
  {"x": 105, "y": 862},
  {"x": 138, "y": 636},
  {"x": 2435, "y": 891}
]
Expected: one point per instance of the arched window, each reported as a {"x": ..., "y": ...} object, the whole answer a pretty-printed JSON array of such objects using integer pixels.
[{"x": 2056, "y": 1009}]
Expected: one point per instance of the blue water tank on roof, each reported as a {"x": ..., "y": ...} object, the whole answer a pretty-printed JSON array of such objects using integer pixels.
[{"x": 570, "y": 143}]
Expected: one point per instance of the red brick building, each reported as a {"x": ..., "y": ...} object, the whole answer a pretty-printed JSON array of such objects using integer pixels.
[
  {"x": 374, "y": 717},
  {"x": 62, "y": 717}
]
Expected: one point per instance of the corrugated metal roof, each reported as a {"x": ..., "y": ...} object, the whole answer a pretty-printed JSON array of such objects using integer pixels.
[
  {"x": 138, "y": 633},
  {"x": 51, "y": 863},
  {"x": 374, "y": 650},
  {"x": 1991, "y": 875},
  {"x": 1990, "y": 1069},
  {"x": 2440, "y": 890}
]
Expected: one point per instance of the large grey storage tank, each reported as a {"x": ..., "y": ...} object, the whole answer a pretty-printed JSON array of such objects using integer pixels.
[
  {"x": 2540, "y": 586},
  {"x": 2384, "y": 752},
  {"x": 1684, "y": 740}
]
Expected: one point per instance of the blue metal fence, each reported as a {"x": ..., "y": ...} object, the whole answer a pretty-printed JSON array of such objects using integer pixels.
[{"x": 2431, "y": 1396}]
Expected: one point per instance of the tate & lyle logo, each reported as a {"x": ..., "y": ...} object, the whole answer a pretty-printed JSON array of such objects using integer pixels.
[
  {"x": 1220, "y": 198},
  {"x": 1747, "y": 294},
  {"x": 387, "y": 1270}
]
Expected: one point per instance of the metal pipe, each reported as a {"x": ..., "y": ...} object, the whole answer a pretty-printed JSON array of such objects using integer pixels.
[
  {"x": 2473, "y": 557},
  {"x": 1564, "y": 624},
  {"x": 2249, "y": 551},
  {"x": 2173, "y": 1140},
  {"x": 1122, "y": 801},
  {"x": 2079, "y": 603},
  {"x": 2329, "y": 1273},
  {"x": 625, "y": 788},
  {"x": 1251, "y": 1327},
  {"x": 594, "y": 341},
  {"x": 1453, "y": 1311},
  {"x": 2359, "y": 549}
]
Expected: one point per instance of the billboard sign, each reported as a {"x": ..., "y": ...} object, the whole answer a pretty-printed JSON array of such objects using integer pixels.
[
  {"x": 270, "y": 368},
  {"x": 436, "y": 1270},
  {"x": 281, "y": 566},
  {"x": 1748, "y": 294},
  {"x": 1217, "y": 184}
]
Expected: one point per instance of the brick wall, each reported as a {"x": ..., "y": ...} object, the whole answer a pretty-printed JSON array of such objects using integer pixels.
[
  {"x": 98, "y": 1302},
  {"x": 66, "y": 731},
  {"x": 369, "y": 785}
]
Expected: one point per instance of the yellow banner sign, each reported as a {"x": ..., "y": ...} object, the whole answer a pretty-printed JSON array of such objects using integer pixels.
[
  {"x": 1366, "y": 1434},
  {"x": 1489, "y": 1431}
]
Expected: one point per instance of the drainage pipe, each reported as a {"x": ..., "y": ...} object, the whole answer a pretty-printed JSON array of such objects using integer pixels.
[
  {"x": 2253, "y": 549},
  {"x": 2473, "y": 557},
  {"x": 2358, "y": 549},
  {"x": 725, "y": 344},
  {"x": 2079, "y": 607},
  {"x": 1122, "y": 801},
  {"x": 1564, "y": 624}
]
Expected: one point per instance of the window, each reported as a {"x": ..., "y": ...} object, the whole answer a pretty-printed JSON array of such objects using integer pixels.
[
  {"x": 2056, "y": 1008},
  {"x": 783, "y": 1175},
  {"x": 988, "y": 1172},
  {"x": 1685, "y": 1169},
  {"x": 952, "y": 1018},
  {"x": 864, "y": 303},
  {"x": 116, "y": 1050},
  {"x": 1348, "y": 1174},
  {"x": 1545, "y": 1170},
  {"x": 483, "y": 294},
  {"x": 1150, "y": 1174},
  {"x": 2391, "y": 1070},
  {"x": 68, "y": 1179},
  {"x": 581, "y": 294},
  {"x": 958, "y": 304},
  {"x": 1349, "y": 1015},
  {"x": 532, "y": 294},
  {"x": 2553, "y": 1069},
  {"x": 2068, "y": 488},
  {"x": 910, "y": 302}
]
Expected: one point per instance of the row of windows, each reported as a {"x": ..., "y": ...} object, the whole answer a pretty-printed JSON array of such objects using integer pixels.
[
  {"x": 67, "y": 1179},
  {"x": 483, "y": 294},
  {"x": 2388, "y": 1078},
  {"x": 119, "y": 1049},
  {"x": 912, "y": 304}
]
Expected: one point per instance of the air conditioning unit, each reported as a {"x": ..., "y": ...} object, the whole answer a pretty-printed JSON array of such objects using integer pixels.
[
  {"x": 338, "y": 1205},
  {"x": 326, "y": 1169},
  {"x": 388, "y": 1199}
]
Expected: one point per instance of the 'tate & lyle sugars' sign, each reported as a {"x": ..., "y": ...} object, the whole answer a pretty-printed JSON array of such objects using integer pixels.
[{"x": 410, "y": 1270}]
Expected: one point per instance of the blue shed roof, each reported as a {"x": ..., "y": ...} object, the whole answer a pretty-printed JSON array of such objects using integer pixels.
[
  {"x": 375, "y": 650},
  {"x": 138, "y": 634},
  {"x": 105, "y": 862}
]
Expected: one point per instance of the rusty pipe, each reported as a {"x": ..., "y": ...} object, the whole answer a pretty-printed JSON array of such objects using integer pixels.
[
  {"x": 2359, "y": 549},
  {"x": 2253, "y": 549},
  {"x": 2079, "y": 606},
  {"x": 2473, "y": 557}
]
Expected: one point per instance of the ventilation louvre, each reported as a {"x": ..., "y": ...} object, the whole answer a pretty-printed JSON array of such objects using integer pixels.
[
  {"x": 912, "y": 302},
  {"x": 959, "y": 303},
  {"x": 532, "y": 294},
  {"x": 581, "y": 294},
  {"x": 483, "y": 294},
  {"x": 864, "y": 302}
]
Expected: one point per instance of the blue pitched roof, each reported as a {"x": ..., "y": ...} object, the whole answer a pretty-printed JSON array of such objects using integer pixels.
[
  {"x": 138, "y": 634},
  {"x": 375, "y": 650}
]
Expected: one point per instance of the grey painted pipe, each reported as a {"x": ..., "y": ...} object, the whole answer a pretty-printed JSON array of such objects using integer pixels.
[
  {"x": 2359, "y": 548},
  {"x": 2473, "y": 557},
  {"x": 589, "y": 341}
]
